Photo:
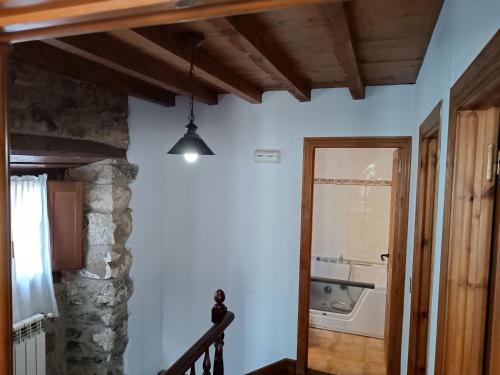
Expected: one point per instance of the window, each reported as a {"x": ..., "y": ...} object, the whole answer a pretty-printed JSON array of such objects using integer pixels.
[{"x": 32, "y": 286}]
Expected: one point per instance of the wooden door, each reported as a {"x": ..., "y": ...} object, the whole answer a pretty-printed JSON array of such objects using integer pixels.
[
  {"x": 470, "y": 241},
  {"x": 394, "y": 241}
]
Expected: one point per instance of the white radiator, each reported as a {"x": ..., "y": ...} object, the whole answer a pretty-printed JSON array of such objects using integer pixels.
[{"x": 29, "y": 346}]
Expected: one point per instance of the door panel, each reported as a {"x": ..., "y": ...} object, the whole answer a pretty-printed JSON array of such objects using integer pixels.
[
  {"x": 393, "y": 241},
  {"x": 470, "y": 242},
  {"x": 65, "y": 206}
]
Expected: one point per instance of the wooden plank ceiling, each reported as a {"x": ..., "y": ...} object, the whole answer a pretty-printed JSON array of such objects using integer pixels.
[{"x": 351, "y": 44}]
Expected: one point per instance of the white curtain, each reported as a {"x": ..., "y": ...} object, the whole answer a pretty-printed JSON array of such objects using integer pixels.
[{"x": 32, "y": 286}]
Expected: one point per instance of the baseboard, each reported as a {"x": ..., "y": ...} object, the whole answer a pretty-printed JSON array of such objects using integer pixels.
[
  {"x": 316, "y": 372},
  {"x": 284, "y": 367}
]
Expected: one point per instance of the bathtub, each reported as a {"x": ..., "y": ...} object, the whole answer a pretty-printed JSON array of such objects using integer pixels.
[{"x": 348, "y": 297}]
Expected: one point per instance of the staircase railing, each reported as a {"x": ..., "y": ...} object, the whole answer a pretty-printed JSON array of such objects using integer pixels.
[{"x": 215, "y": 335}]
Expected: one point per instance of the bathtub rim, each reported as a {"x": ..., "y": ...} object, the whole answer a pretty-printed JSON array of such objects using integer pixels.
[{"x": 349, "y": 318}]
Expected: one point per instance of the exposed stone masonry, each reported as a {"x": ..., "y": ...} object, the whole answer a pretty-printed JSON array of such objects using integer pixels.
[
  {"x": 95, "y": 297},
  {"x": 45, "y": 103},
  {"x": 90, "y": 335}
]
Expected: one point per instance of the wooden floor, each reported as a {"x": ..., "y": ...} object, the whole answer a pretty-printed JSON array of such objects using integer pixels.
[{"x": 344, "y": 354}]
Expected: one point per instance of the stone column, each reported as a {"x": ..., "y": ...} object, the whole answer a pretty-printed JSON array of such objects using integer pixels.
[{"x": 96, "y": 297}]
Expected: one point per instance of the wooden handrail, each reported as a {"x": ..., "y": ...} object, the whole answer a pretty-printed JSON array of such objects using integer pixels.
[{"x": 215, "y": 335}]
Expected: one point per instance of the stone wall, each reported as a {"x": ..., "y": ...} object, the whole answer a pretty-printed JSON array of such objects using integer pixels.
[
  {"x": 96, "y": 297},
  {"x": 90, "y": 335},
  {"x": 55, "y": 336},
  {"x": 45, "y": 103}
]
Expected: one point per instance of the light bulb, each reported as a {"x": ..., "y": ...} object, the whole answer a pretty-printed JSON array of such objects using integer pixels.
[{"x": 191, "y": 158}]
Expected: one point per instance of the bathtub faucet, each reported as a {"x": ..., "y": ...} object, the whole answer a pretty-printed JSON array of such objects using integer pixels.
[{"x": 341, "y": 258}]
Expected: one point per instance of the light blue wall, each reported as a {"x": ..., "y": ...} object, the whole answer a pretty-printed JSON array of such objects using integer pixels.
[
  {"x": 463, "y": 29},
  {"x": 145, "y": 354},
  {"x": 226, "y": 222}
]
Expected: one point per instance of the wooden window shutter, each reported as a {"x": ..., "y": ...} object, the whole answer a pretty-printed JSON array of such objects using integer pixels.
[{"x": 65, "y": 206}]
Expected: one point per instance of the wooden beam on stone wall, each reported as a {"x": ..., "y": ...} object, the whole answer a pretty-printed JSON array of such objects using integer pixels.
[
  {"x": 244, "y": 34},
  {"x": 31, "y": 167},
  {"x": 339, "y": 31},
  {"x": 70, "y": 65},
  {"x": 108, "y": 51},
  {"x": 40, "y": 149},
  {"x": 167, "y": 46}
]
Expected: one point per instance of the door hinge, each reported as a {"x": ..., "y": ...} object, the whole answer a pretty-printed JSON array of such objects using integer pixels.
[
  {"x": 498, "y": 163},
  {"x": 400, "y": 165},
  {"x": 491, "y": 164},
  {"x": 411, "y": 284}
]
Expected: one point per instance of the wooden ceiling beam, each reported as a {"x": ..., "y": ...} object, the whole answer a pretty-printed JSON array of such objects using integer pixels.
[
  {"x": 339, "y": 30},
  {"x": 108, "y": 51},
  {"x": 244, "y": 35},
  {"x": 21, "y": 167},
  {"x": 165, "y": 45},
  {"x": 67, "y": 64},
  {"x": 28, "y": 148},
  {"x": 53, "y": 10},
  {"x": 51, "y": 19}
]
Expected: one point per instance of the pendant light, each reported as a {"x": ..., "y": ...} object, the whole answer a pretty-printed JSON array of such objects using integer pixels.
[{"x": 191, "y": 145}]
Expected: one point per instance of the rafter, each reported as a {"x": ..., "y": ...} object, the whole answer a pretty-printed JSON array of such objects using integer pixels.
[
  {"x": 54, "y": 19},
  {"x": 165, "y": 45},
  {"x": 244, "y": 35},
  {"x": 106, "y": 50},
  {"x": 67, "y": 64},
  {"x": 339, "y": 30},
  {"x": 51, "y": 10}
]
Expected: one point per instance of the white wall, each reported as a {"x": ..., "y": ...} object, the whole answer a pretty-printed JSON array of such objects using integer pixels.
[
  {"x": 463, "y": 29},
  {"x": 226, "y": 222}
]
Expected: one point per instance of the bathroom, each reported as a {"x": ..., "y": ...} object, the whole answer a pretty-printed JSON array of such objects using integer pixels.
[{"x": 349, "y": 255}]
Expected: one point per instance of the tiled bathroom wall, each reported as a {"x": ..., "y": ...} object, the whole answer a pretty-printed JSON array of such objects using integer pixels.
[{"x": 352, "y": 194}]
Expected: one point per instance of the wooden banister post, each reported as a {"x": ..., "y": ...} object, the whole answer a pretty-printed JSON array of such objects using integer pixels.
[
  {"x": 219, "y": 309},
  {"x": 218, "y": 358},
  {"x": 206, "y": 363},
  {"x": 218, "y": 312},
  {"x": 5, "y": 254}
]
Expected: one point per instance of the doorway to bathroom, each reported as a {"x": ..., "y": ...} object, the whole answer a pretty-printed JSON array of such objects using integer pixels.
[{"x": 353, "y": 254}]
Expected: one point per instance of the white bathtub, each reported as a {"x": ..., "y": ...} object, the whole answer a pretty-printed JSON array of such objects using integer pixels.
[{"x": 367, "y": 317}]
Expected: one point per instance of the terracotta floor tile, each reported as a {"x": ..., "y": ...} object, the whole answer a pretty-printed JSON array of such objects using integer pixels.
[{"x": 344, "y": 354}]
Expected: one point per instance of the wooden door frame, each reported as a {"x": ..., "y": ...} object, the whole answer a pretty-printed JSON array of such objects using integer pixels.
[
  {"x": 417, "y": 352},
  {"x": 310, "y": 146},
  {"x": 5, "y": 254},
  {"x": 492, "y": 362},
  {"x": 477, "y": 88}
]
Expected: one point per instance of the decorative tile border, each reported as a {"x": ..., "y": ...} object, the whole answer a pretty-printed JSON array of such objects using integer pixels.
[{"x": 351, "y": 181}]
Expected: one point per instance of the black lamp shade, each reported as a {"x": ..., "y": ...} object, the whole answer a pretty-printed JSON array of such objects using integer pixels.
[{"x": 190, "y": 143}]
